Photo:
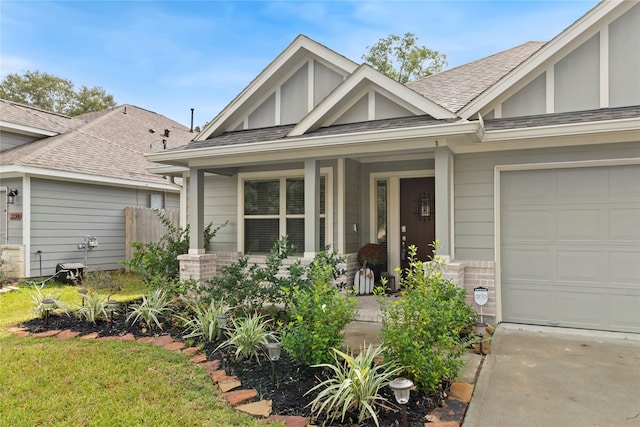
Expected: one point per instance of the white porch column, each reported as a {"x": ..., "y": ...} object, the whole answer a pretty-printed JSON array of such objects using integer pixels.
[
  {"x": 311, "y": 208},
  {"x": 196, "y": 211},
  {"x": 444, "y": 197}
]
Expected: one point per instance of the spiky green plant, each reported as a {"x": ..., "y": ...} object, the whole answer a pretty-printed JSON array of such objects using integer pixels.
[
  {"x": 248, "y": 336},
  {"x": 204, "y": 324},
  {"x": 93, "y": 307},
  {"x": 152, "y": 309},
  {"x": 37, "y": 296},
  {"x": 354, "y": 386}
]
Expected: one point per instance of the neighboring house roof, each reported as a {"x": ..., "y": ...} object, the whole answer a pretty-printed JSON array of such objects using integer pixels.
[
  {"x": 19, "y": 118},
  {"x": 455, "y": 88},
  {"x": 110, "y": 144}
]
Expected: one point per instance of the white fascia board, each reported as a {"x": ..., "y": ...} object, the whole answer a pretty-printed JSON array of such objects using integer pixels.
[
  {"x": 356, "y": 143},
  {"x": 572, "y": 134},
  {"x": 411, "y": 99},
  {"x": 301, "y": 42},
  {"x": 178, "y": 171},
  {"x": 542, "y": 55},
  {"x": 25, "y": 130},
  {"x": 14, "y": 171}
]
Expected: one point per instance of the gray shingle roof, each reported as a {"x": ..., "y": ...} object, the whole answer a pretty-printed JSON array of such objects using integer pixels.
[
  {"x": 455, "y": 88},
  {"x": 25, "y": 115},
  {"x": 110, "y": 144}
]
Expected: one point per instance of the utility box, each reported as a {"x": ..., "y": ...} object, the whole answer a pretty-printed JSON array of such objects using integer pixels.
[{"x": 70, "y": 272}]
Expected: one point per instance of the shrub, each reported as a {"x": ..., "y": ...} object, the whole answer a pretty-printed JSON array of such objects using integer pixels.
[
  {"x": 248, "y": 336},
  {"x": 157, "y": 263},
  {"x": 100, "y": 280},
  {"x": 152, "y": 309},
  {"x": 318, "y": 314},
  {"x": 37, "y": 296},
  {"x": 372, "y": 254},
  {"x": 354, "y": 386},
  {"x": 94, "y": 306},
  {"x": 204, "y": 324},
  {"x": 423, "y": 330}
]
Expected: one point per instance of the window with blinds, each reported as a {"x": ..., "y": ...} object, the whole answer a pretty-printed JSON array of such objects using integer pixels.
[{"x": 275, "y": 207}]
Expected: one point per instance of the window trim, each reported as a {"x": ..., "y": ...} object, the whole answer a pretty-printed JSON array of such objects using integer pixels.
[{"x": 282, "y": 176}]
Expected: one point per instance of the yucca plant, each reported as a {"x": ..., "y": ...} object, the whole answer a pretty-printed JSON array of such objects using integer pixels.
[
  {"x": 354, "y": 386},
  {"x": 37, "y": 296},
  {"x": 204, "y": 324},
  {"x": 248, "y": 336},
  {"x": 152, "y": 309},
  {"x": 94, "y": 306}
]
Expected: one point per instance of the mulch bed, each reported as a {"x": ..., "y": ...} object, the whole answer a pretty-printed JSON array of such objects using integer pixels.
[{"x": 293, "y": 378}]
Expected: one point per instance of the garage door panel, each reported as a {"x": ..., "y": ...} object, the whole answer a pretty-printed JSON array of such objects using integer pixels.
[
  {"x": 625, "y": 311},
  {"x": 528, "y": 225},
  {"x": 571, "y": 236},
  {"x": 625, "y": 268},
  {"x": 530, "y": 305},
  {"x": 580, "y": 307},
  {"x": 528, "y": 265},
  {"x": 579, "y": 224},
  {"x": 583, "y": 267},
  {"x": 574, "y": 184},
  {"x": 624, "y": 223}
]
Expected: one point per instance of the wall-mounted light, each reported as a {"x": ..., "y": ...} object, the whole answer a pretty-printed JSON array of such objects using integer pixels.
[
  {"x": 11, "y": 196},
  {"x": 424, "y": 209}
]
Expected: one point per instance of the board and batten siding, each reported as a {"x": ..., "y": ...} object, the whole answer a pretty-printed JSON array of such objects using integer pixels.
[
  {"x": 474, "y": 189},
  {"x": 63, "y": 213}
]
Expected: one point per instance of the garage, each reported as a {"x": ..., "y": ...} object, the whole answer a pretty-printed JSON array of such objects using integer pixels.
[{"x": 570, "y": 247}]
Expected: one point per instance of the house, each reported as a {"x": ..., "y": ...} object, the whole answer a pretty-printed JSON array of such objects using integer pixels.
[
  {"x": 65, "y": 183},
  {"x": 524, "y": 165}
]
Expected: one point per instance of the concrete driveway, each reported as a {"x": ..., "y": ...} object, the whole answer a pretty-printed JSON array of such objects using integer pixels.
[{"x": 557, "y": 377}]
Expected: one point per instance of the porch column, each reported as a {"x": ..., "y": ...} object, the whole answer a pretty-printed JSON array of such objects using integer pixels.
[
  {"x": 444, "y": 197},
  {"x": 311, "y": 208},
  {"x": 196, "y": 211}
]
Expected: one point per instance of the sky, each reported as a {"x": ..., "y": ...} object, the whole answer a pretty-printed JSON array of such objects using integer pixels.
[{"x": 171, "y": 56}]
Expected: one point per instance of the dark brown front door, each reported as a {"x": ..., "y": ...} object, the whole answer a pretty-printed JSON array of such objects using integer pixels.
[{"x": 417, "y": 218}]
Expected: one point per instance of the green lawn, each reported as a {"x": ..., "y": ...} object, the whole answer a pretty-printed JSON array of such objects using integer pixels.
[{"x": 75, "y": 382}]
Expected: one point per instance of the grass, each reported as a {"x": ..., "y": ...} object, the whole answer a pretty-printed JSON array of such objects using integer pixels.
[{"x": 48, "y": 381}]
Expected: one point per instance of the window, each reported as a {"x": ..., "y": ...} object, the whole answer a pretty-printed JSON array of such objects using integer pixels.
[{"x": 274, "y": 207}]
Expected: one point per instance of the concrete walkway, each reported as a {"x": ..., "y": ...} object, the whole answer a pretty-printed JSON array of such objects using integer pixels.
[{"x": 558, "y": 377}]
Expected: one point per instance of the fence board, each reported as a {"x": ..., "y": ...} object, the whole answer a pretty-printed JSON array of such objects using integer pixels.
[{"x": 144, "y": 225}]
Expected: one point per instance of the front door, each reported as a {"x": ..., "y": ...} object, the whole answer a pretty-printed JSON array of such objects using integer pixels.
[{"x": 417, "y": 218}]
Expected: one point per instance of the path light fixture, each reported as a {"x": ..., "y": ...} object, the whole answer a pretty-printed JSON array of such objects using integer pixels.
[
  {"x": 222, "y": 324},
  {"x": 47, "y": 305},
  {"x": 112, "y": 306},
  {"x": 83, "y": 294},
  {"x": 481, "y": 328},
  {"x": 401, "y": 390},
  {"x": 274, "y": 350}
]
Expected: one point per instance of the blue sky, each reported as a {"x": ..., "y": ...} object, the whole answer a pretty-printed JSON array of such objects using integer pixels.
[{"x": 171, "y": 56}]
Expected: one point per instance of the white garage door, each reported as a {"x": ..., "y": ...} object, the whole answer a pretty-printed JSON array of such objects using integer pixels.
[{"x": 570, "y": 247}]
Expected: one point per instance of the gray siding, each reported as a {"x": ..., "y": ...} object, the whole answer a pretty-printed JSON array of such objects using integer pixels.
[
  {"x": 474, "y": 185},
  {"x": 62, "y": 213},
  {"x": 577, "y": 78},
  {"x": 13, "y": 227},
  {"x": 10, "y": 140},
  {"x": 220, "y": 205},
  {"x": 624, "y": 59}
]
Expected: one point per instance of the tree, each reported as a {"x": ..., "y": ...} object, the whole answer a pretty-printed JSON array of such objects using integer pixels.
[
  {"x": 52, "y": 93},
  {"x": 402, "y": 59}
]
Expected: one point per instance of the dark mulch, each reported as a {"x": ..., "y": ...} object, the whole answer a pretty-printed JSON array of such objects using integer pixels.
[{"x": 293, "y": 380}]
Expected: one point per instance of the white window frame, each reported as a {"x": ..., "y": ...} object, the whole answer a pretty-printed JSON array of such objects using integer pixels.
[{"x": 282, "y": 176}]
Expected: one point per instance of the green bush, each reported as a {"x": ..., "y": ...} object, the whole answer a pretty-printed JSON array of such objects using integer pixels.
[
  {"x": 424, "y": 330},
  {"x": 354, "y": 386},
  {"x": 153, "y": 309},
  {"x": 249, "y": 335},
  {"x": 318, "y": 313},
  {"x": 92, "y": 308},
  {"x": 204, "y": 323},
  {"x": 157, "y": 263}
]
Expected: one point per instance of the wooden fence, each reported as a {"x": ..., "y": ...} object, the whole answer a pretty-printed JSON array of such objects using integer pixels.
[{"x": 144, "y": 225}]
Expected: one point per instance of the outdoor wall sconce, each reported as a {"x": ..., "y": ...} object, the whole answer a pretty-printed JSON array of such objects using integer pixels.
[
  {"x": 401, "y": 390},
  {"x": 423, "y": 207},
  {"x": 274, "y": 350},
  {"x": 11, "y": 196}
]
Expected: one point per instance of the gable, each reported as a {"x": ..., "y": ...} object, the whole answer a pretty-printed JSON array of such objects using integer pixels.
[
  {"x": 286, "y": 90},
  {"x": 595, "y": 63}
]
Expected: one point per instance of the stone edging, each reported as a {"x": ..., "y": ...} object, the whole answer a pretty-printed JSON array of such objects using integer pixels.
[{"x": 450, "y": 414}]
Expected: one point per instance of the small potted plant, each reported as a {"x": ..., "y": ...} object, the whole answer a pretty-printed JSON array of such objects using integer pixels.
[{"x": 374, "y": 257}]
